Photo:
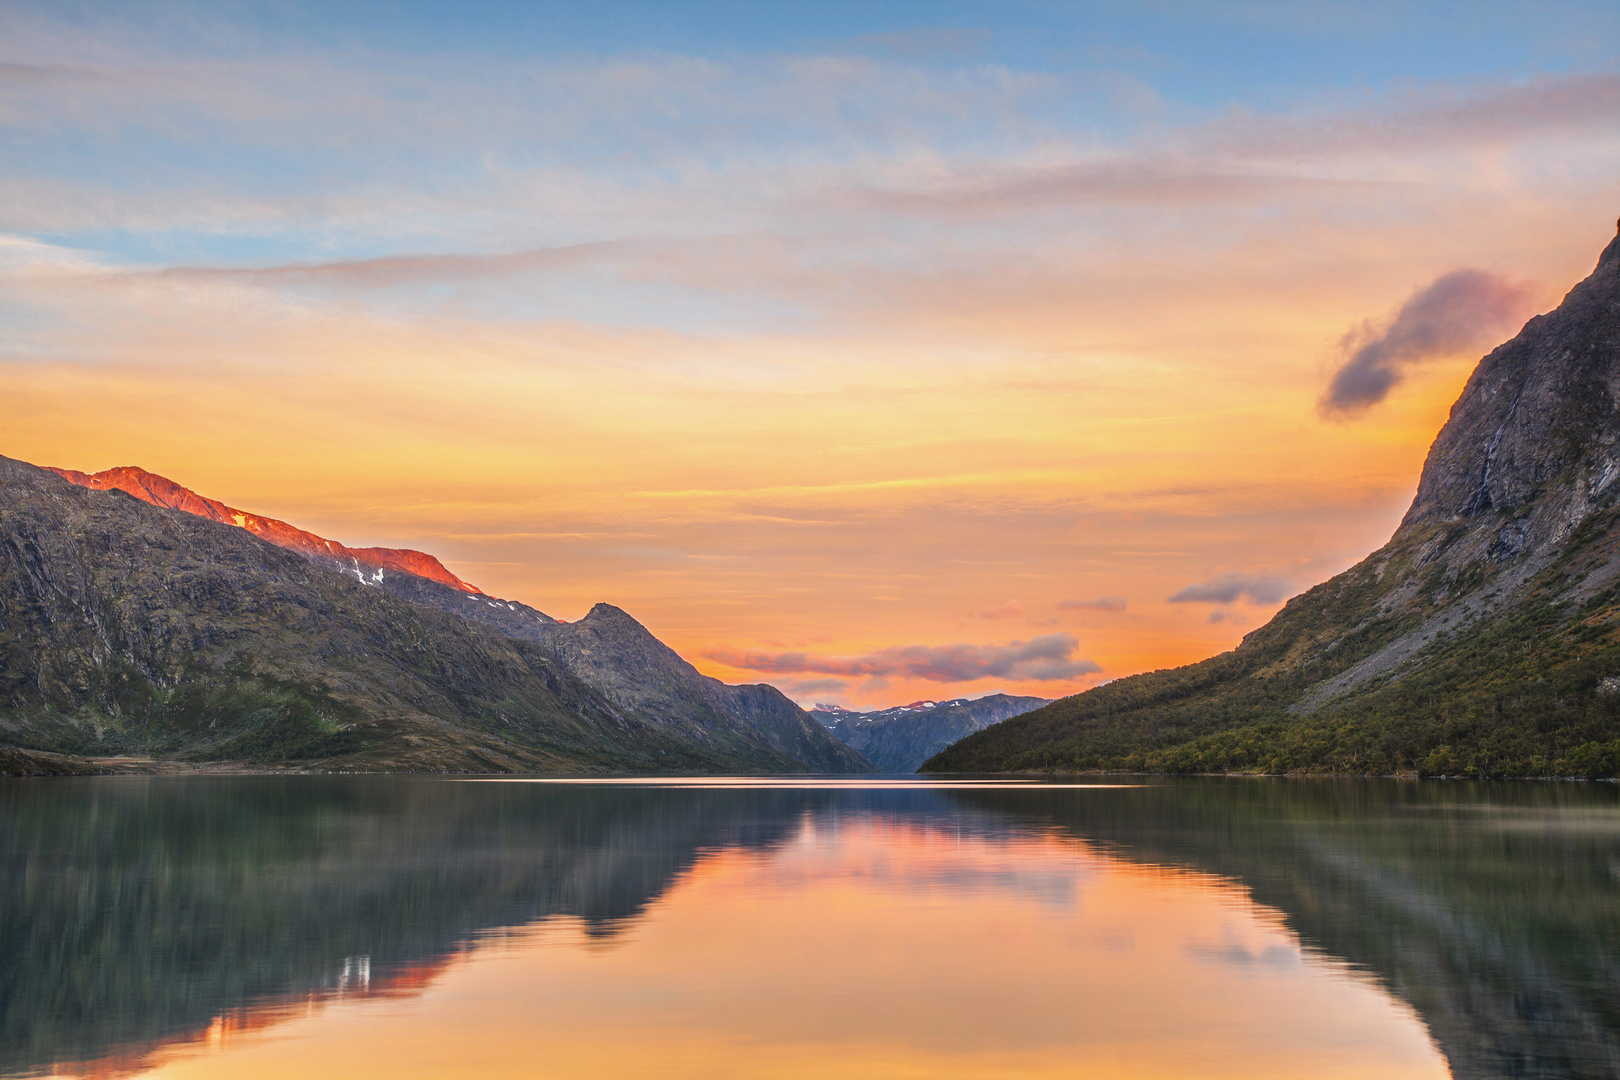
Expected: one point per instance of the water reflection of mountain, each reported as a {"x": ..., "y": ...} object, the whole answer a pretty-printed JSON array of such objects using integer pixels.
[
  {"x": 1493, "y": 910},
  {"x": 137, "y": 911},
  {"x": 134, "y": 911}
]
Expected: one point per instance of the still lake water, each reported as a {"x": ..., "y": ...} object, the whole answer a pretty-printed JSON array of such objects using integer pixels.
[{"x": 419, "y": 928}]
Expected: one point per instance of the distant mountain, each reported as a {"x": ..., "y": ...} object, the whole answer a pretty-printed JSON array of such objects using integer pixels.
[
  {"x": 128, "y": 627},
  {"x": 1483, "y": 639},
  {"x": 900, "y": 739}
]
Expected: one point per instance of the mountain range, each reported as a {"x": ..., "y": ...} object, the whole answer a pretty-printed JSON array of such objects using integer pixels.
[
  {"x": 898, "y": 740},
  {"x": 1483, "y": 639},
  {"x": 143, "y": 625}
]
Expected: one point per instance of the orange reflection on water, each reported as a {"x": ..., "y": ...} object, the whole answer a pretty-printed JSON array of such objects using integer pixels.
[{"x": 872, "y": 948}]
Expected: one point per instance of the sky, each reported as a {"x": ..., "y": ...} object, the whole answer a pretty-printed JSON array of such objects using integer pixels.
[{"x": 880, "y": 351}]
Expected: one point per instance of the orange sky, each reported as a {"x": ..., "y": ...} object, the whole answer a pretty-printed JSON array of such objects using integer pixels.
[{"x": 805, "y": 409}]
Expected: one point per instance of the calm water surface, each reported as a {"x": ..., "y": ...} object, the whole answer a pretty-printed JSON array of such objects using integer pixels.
[{"x": 406, "y": 927}]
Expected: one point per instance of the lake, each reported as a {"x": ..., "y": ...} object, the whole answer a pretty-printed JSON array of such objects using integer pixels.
[{"x": 444, "y": 927}]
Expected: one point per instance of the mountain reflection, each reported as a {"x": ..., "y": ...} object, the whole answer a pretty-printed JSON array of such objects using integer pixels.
[{"x": 135, "y": 913}]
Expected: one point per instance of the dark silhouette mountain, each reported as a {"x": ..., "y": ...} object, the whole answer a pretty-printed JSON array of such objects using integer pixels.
[
  {"x": 128, "y": 628},
  {"x": 1481, "y": 640},
  {"x": 900, "y": 739}
]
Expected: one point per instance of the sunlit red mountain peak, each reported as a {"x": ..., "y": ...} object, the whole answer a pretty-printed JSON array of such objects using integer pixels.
[{"x": 161, "y": 491}]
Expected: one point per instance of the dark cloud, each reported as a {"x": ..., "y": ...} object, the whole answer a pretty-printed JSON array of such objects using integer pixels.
[
  {"x": 1230, "y": 588},
  {"x": 1114, "y": 604},
  {"x": 1049, "y": 657},
  {"x": 1462, "y": 310}
]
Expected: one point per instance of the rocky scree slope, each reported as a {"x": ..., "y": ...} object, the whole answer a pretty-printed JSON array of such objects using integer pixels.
[
  {"x": 1482, "y": 639},
  {"x": 898, "y": 740},
  {"x": 133, "y": 629}
]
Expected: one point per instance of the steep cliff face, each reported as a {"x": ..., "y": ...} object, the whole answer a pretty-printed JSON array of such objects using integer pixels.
[
  {"x": 1531, "y": 443},
  {"x": 1484, "y": 638},
  {"x": 130, "y": 628}
]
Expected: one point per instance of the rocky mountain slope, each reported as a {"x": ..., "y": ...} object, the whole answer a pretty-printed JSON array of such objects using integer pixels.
[
  {"x": 618, "y": 657},
  {"x": 1482, "y": 639},
  {"x": 129, "y": 628},
  {"x": 898, "y": 740}
]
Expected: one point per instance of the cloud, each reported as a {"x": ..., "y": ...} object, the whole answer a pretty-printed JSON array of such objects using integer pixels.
[
  {"x": 1012, "y": 609},
  {"x": 1220, "y": 615},
  {"x": 1459, "y": 311},
  {"x": 1113, "y": 604},
  {"x": 1046, "y": 658},
  {"x": 1230, "y": 588}
]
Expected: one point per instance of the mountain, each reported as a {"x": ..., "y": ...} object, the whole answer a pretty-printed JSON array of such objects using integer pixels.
[
  {"x": 1482, "y": 639},
  {"x": 128, "y": 627},
  {"x": 637, "y": 672},
  {"x": 900, "y": 739},
  {"x": 362, "y": 562},
  {"x": 414, "y": 575}
]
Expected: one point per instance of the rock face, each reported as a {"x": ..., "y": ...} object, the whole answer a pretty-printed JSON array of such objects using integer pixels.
[
  {"x": 898, "y": 740},
  {"x": 128, "y": 628},
  {"x": 1476, "y": 641}
]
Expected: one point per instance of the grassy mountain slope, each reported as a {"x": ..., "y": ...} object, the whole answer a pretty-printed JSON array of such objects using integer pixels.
[{"x": 1483, "y": 639}]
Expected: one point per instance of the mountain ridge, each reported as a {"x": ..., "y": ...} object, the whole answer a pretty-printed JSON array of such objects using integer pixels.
[
  {"x": 128, "y": 627},
  {"x": 901, "y": 738},
  {"x": 161, "y": 491}
]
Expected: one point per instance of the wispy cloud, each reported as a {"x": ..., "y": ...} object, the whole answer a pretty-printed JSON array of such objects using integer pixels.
[
  {"x": 1112, "y": 604},
  {"x": 1462, "y": 310},
  {"x": 1046, "y": 658},
  {"x": 1012, "y": 609},
  {"x": 1230, "y": 588}
]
